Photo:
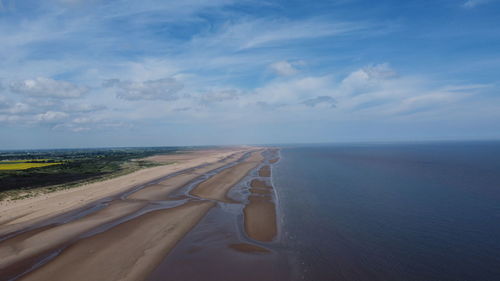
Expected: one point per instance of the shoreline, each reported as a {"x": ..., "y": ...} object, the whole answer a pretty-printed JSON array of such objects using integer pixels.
[{"x": 163, "y": 208}]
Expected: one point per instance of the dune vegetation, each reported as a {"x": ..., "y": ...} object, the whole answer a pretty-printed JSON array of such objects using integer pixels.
[{"x": 25, "y": 173}]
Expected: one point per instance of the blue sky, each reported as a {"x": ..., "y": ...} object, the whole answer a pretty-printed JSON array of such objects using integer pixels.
[{"x": 77, "y": 73}]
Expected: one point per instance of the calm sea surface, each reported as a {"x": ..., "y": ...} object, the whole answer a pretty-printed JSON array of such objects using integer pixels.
[{"x": 392, "y": 212}]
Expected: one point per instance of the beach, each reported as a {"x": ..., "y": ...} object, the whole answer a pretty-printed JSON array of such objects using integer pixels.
[{"x": 123, "y": 228}]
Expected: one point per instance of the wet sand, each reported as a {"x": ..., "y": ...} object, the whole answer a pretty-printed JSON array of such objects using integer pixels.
[
  {"x": 260, "y": 191},
  {"x": 128, "y": 251},
  {"x": 215, "y": 250},
  {"x": 260, "y": 218},
  {"x": 15, "y": 252},
  {"x": 259, "y": 183},
  {"x": 216, "y": 188},
  {"x": 161, "y": 190},
  {"x": 265, "y": 171}
]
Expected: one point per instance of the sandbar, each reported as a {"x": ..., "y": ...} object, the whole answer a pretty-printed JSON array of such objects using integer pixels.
[
  {"x": 265, "y": 171},
  {"x": 248, "y": 248},
  {"x": 216, "y": 187},
  {"x": 260, "y": 218},
  {"x": 259, "y": 183}
]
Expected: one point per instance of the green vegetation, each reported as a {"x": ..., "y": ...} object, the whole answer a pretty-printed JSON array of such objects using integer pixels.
[{"x": 51, "y": 170}]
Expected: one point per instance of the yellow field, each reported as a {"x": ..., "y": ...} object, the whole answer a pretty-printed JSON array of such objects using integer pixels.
[
  {"x": 24, "y": 166},
  {"x": 23, "y": 161}
]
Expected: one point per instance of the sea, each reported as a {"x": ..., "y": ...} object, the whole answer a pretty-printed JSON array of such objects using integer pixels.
[{"x": 412, "y": 211}]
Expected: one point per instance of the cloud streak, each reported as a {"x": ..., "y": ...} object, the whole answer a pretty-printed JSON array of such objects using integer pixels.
[
  {"x": 474, "y": 3},
  {"x": 161, "y": 89},
  {"x": 46, "y": 87}
]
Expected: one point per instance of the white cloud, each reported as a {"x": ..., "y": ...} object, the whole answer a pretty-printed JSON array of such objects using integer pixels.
[
  {"x": 367, "y": 78},
  {"x": 474, "y": 3},
  {"x": 86, "y": 120},
  {"x": 215, "y": 67},
  {"x": 80, "y": 129},
  {"x": 51, "y": 116},
  {"x": 292, "y": 91},
  {"x": 11, "y": 107},
  {"x": 284, "y": 68},
  {"x": 14, "y": 119},
  {"x": 161, "y": 89},
  {"x": 19, "y": 107},
  {"x": 259, "y": 33},
  {"x": 46, "y": 87}
]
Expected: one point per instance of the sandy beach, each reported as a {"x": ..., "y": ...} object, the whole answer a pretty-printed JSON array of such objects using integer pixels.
[
  {"x": 122, "y": 228},
  {"x": 128, "y": 251},
  {"x": 18, "y": 214}
]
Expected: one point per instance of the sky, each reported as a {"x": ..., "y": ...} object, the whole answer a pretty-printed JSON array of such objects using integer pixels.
[{"x": 97, "y": 73}]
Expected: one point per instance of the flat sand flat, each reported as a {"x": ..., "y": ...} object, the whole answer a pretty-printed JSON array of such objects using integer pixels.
[
  {"x": 216, "y": 187},
  {"x": 15, "y": 252},
  {"x": 161, "y": 190},
  {"x": 128, "y": 251}
]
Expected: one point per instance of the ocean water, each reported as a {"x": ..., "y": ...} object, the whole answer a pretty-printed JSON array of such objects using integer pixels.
[{"x": 392, "y": 211}]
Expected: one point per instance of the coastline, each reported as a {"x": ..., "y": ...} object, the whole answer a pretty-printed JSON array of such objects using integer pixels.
[
  {"x": 160, "y": 204},
  {"x": 30, "y": 210}
]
